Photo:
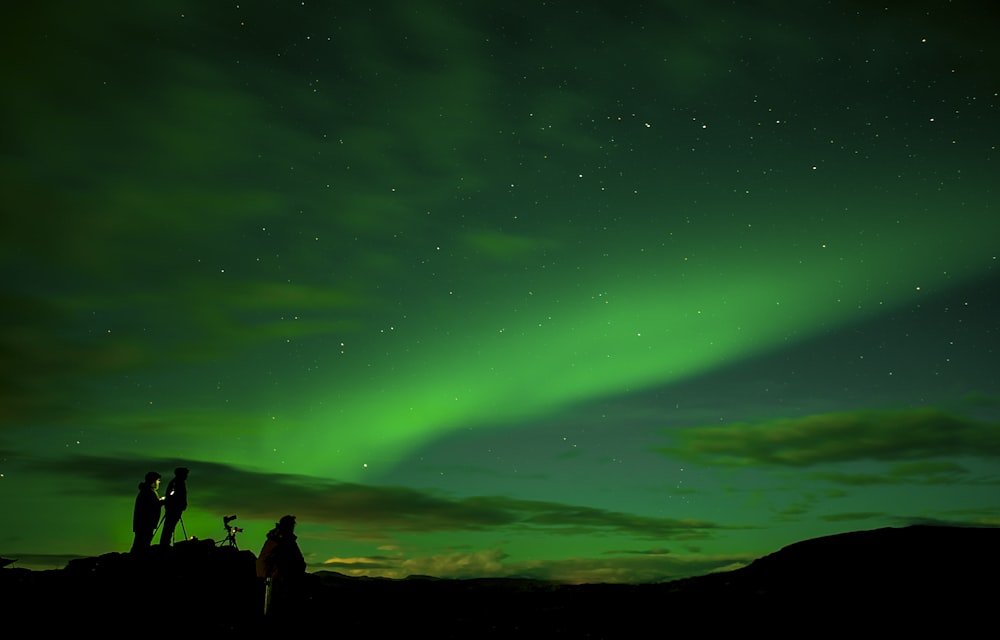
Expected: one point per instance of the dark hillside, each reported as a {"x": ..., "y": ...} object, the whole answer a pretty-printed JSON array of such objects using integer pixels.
[{"x": 914, "y": 579}]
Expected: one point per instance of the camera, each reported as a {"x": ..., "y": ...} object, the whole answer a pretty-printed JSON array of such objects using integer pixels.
[
  {"x": 225, "y": 522},
  {"x": 231, "y": 532}
]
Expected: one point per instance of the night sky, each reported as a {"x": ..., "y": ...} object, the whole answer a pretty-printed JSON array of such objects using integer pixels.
[{"x": 598, "y": 291}]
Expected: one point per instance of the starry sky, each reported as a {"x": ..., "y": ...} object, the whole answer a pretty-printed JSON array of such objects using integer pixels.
[{"x": 593, "y": 292}]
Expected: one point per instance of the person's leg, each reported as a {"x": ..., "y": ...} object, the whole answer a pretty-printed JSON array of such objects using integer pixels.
[
  {"x": 167, "y": 532},
  {"x": 142, "y": 541}
]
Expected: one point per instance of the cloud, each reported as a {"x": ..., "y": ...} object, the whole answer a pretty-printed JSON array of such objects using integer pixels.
[
  {"x": 386, "y": 515},
  {"x": 977, "y": 399},
  {"x": 925, "y": 473},
  {"x": 654, "y": 565},
  {"x": 485, "y": 562},
  {"x": 970, "y": 518},
  {"x": 852, "y": 517},
  {"x": 504, "y": 246},
  {"x": 585, "y": 520},
  {"x": 632, "y": 569},
  {"x": 916, "y": 434},
  {"x": 363, "y": 511},
  {"x": 41, "y": 367}
]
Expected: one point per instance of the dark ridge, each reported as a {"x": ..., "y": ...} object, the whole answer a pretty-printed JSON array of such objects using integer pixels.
[{"x": 885, "y": 581}]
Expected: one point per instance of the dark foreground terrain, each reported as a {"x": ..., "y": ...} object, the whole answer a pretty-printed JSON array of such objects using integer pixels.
[{"x": 886, "y": 582}]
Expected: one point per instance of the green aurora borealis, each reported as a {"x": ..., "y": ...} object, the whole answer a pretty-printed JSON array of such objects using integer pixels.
[{"x": 595, "y": 293}]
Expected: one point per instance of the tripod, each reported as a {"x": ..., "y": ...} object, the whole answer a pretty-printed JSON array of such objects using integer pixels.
[
  {"x": 230, "y": 540},
  {"x": 231, "y": 532},
  {"x": 180, "y": 519}
]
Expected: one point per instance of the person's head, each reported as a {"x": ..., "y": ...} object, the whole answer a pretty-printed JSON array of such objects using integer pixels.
[
  {"x": 181, "y": 472},
  {"x": 153, "y": 479},
  {"x": 286, "y": 524}
]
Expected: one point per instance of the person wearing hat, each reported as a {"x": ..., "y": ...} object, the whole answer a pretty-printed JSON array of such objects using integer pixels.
[
  {"x": 146, "y": 515},
  {"x": 281, "y": 565},
  {"x": 174, "y": 504}
]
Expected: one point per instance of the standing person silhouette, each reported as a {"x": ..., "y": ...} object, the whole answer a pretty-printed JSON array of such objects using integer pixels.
[
  {"x": 146, "y": 514},
  {"x": 282, "y": 566},
  {"x": 174, "y": 504}
]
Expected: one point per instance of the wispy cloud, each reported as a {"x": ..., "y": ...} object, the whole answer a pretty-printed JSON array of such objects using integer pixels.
[
  {"x": 654, "y": 565},
  {"x": 925, "y": 473},
  {"x": 368, "y": 511},
  {"x": 852, "y": 516},
  {"x": 919, "y": 434},
  {"x": 385, "y": 515}
]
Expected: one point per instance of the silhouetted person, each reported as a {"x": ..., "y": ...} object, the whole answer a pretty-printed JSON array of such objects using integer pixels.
[
  {"x": 146, "y": 515},
  {"x": 282, "y": 566},
  {"x": 174, "y": 504}
]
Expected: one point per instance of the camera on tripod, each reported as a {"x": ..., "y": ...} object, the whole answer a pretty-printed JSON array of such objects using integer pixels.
[
  {"x": 225, "y": 522},
  {"x": 231, "y": 532}
]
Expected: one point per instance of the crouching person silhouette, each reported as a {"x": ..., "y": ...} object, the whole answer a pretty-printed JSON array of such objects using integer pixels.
[{"x": 282, "y": 567}]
